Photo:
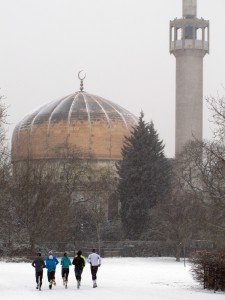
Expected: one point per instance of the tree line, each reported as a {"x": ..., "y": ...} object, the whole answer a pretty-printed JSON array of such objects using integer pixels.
[{"x": 146, "y": 196}]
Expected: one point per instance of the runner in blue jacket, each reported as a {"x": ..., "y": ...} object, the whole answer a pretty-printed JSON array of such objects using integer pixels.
[{"x": 51, "y": 264}]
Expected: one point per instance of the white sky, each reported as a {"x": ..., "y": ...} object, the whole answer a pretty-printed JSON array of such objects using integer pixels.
[
  {"x": 123, "y": 46},
  {"x": 117, "y": 278}
]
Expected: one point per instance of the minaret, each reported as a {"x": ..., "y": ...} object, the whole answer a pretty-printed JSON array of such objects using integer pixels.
[{"x": 189, "y": 42}]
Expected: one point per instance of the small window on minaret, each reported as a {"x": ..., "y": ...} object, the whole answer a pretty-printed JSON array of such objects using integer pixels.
[
  {"x": 188, "y": 33},
  {"x": 179, "y": 34},
  {"x": 199, "y": 34},
  {"x": 206, "y": 33},
  {"x": 173, "y": 34}
]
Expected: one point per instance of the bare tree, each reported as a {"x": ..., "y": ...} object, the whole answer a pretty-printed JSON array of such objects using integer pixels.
[
  {"x": 4, "y": 150},
  {"x": 177, "y": 221},
  {"x": 55, "y": 198},
  {"x": 203, "y": 171},
  {"x": 99, "y": 188},
  {"x": 6, "y": 208},
  {"x": 203, "y": 174},
  {"x": 44, "y": 192},
  {"x": 180, "y": 218},
  {"x": 34, "y": 190}
]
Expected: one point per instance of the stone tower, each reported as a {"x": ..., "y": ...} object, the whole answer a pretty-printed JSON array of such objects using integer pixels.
[{"x": 189, "y": 42}]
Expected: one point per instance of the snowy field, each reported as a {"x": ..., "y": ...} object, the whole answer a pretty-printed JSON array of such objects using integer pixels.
[{"x": 118, "y": 278}]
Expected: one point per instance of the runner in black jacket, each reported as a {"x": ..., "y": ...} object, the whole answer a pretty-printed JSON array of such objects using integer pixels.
[
  {"x": 79, "y": 263},
  {"x": 38, "y": 264}
]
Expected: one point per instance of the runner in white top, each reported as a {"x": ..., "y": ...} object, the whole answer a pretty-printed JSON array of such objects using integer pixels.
[{"x": 95, "y": 260}]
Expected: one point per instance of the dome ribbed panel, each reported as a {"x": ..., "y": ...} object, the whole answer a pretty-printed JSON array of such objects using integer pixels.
[
  {"x": 112, "y": 113},
  {"x": 79, "y": 126},
  {"x": 26, "y": 122},
  {"x": 61, "y": 111},
  {"x": 124, "y": 114},
  {"x": 79, "y": 111},
  {"x": 43, "y": 115},
  {"x": 97, "y": 111}
]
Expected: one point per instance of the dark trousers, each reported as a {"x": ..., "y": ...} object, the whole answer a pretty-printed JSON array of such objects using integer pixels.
[
  {"x": 94, "y": 270},
  {"x": 78, "y": 273},
  {"x": 51, "y": 276},
  {"x": 39, "y": 276},
  {"x": 65, "y": 273}
]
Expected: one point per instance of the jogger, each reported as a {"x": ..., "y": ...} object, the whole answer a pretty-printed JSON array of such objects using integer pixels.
[
  {"x": 38, "y": 264},
  {"x": 51, "y": 266},
  {"x": 79, "y": 263},
  {"x": 66, "y": 263},
  {"x": 95, "y": 261}
]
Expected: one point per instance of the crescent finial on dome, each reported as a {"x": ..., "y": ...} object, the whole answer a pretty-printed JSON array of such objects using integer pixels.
[{"x": 81, "y": 80}]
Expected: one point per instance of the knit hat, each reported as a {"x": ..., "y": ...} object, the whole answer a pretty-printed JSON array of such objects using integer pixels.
[
  {"x": 39, "y": 254},
  {"x": 79, "y": 252}
]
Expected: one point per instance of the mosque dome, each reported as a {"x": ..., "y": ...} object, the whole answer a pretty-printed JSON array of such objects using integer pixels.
[{"x": 81, "y": 121}]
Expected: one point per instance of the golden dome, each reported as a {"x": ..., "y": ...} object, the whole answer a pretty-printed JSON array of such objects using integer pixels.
[{"x": 79, "y": 121}]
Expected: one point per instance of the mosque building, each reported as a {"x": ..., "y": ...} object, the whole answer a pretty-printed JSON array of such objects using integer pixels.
[{"x": 97, "y": 126}]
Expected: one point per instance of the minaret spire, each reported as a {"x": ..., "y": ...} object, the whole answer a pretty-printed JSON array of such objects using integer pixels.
[
  {"x": 189, "y": 9},
  {"x": 189, "y": 42}
]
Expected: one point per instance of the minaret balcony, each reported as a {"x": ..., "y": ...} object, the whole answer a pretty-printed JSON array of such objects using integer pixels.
[
  {"x": 189, "y": 34},
  {"x": 189, "y": 44}
]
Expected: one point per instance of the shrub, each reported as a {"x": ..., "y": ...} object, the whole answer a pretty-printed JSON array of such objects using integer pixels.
[{"x": 208, "y": 268}]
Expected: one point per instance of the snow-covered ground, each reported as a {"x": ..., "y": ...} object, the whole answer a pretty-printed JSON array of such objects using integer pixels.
[{"x": 118, "y": 279}]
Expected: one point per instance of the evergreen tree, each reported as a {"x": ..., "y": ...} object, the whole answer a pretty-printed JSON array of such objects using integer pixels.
[{"x": 144, "y": 176}]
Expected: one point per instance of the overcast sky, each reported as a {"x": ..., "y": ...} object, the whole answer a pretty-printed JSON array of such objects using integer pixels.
[{"x": 123, "y": 46}]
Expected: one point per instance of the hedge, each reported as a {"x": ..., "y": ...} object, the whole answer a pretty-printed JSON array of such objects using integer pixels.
[{"x": 208, "y": 268}]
